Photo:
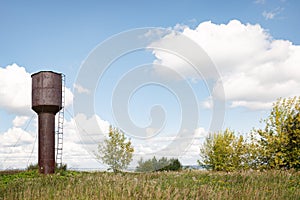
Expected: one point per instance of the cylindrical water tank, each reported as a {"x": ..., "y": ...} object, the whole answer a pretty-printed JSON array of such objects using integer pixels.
[
  {"x": 46, "y": 101},
  {"x": 46, "y": 92}
]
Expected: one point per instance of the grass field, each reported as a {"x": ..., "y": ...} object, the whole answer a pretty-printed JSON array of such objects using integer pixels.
[{"x": 157, "y": 185}]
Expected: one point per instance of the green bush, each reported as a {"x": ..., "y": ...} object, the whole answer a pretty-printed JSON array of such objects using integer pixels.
[
  {"x": 224, "y": 151},
  {"x": 163, "y": 164},
  {"x": 33, "y": 167}
]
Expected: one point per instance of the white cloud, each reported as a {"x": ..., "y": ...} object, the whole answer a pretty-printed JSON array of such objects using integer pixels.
[
  {"x": 208, "y": 103},
  {"x": 200, "y": 133},
  {"x": 251, "y": 105},
  {"x": 192, "y": 154},
  {"x": 268, "y": 15},
  {"x": 15, "y": 148},
  {"x": 68, "y": 97},
  {"x": 15, "y": 137},
  {"x": 20, "y": 121},
  {"x": 15, "y": 90},
  {"x": 159, "y": 146},
  {"x": 75, "y": 153},
  {"x": 81, "y": 141},
  {"x": 256, "y": 69},
  {"x": 90, "y": 125},
  {"x": 272, "y": 14},
  {"x": 80, "y": 89},
  {"x": 17, "y": 144},
  {"x": 82, "y": 135}
]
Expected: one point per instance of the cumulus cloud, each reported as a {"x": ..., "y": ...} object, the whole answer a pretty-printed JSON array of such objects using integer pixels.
[
  {"x": 15, "y": 148},
  {"x": 17, "y": 144},
  {"x": 15, "y": 90},
  {"x": 200, "y": 133},
  {"x": 15, "y": 137},
  {"x": 18, "y": 147},
  {"x": 90, "y": 125},
  {"x": 20, "y": 121},
  {"x": 82, "y": 134},
  {"x": 187, "y": 147},
  {"x": 81, "y": 138},
  {"x": 68, "y": 97},
  {"x": 256, "y": 69}
]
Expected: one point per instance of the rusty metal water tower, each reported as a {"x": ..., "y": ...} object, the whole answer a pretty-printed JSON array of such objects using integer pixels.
[{"x": 46, "y": 102}]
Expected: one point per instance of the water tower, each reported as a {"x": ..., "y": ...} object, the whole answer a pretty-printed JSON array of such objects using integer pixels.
[{"x": 46, "y": 102}]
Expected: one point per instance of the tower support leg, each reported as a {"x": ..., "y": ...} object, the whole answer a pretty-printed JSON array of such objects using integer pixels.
[{"x": 46, "y": 152}]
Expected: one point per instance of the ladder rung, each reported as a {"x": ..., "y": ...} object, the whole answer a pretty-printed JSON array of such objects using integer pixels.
[{"x": 59, "y": 131}]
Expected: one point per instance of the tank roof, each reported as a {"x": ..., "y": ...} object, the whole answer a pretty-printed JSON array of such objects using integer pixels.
[{"x": 44, "y": 72}]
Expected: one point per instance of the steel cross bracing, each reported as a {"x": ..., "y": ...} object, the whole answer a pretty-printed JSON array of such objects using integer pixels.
[{"x": 60, "y": 127}]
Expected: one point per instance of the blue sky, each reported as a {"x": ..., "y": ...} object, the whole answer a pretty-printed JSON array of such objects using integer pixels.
[{"x": 258, "y": 66}]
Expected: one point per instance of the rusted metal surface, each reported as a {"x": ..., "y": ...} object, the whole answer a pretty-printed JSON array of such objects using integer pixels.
[
  {"x": 46, "y": 143},
  {"x": 46, "y": 92},
  {"x": 46, "y": 102}
]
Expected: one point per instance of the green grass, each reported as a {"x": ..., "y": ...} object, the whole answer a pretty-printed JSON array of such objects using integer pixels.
[{"x": 156, "y": 185}]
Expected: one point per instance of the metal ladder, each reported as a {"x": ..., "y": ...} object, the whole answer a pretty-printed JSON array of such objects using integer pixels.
[{"x": 60, "y": 126}]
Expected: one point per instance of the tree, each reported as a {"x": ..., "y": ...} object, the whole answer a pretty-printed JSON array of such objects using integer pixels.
[
  {"x": 173, "y": 165},
  {"x": 145, "y": 166},
  {"x": 276, "y": 146},
  {"x": 279, "y": 141},
  {"x": 163, "y": 164},
  {"x": 116, "y": 151},
  {"x": 225, "y": 152}
]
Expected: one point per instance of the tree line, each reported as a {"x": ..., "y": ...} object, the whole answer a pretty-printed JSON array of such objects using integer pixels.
[{"x": 276, "y": 146}]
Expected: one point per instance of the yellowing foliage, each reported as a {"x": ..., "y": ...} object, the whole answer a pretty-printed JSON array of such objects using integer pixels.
[
  {"x": 277, "y": 146},
  {"x": 280, "y": 139},
  {"x": 116, "y": 151}
]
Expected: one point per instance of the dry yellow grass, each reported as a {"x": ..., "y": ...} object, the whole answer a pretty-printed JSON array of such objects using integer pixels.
[{"x": 158, "y": 185}]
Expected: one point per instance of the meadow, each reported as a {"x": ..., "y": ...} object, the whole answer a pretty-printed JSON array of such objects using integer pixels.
[{"x": 186, "y": 184}]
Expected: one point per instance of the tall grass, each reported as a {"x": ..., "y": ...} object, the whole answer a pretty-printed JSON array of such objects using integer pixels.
[{"x": 158, "y": 185}]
